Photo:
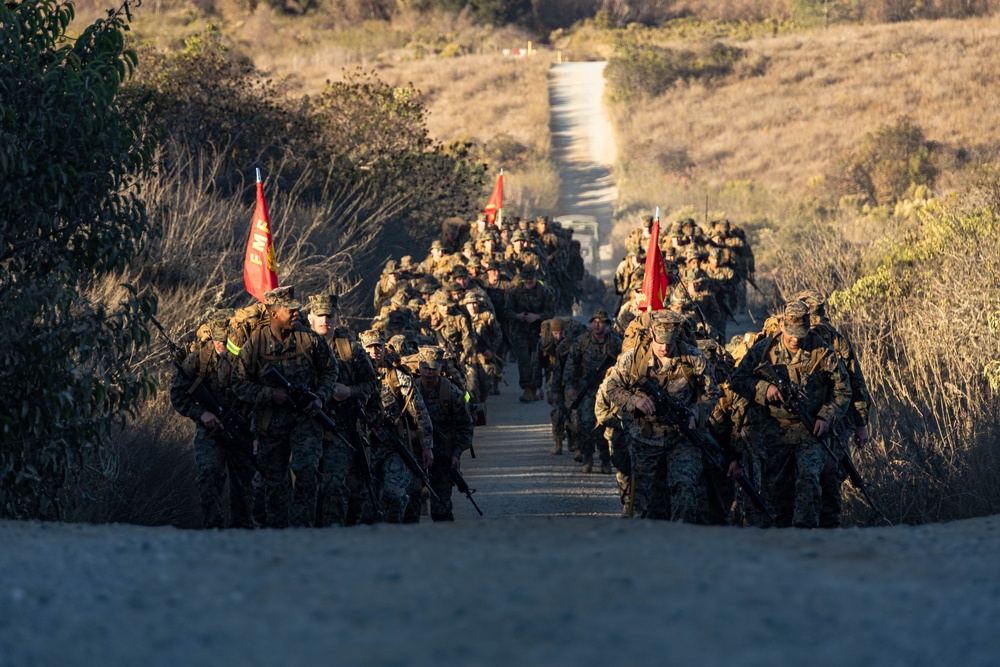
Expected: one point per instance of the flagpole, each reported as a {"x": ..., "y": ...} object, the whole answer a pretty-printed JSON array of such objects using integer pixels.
[{"x": 500, "y": 210}]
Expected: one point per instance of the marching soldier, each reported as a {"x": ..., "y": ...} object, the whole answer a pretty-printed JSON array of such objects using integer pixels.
[
  {"x": 287, "y": 440},
  {"x": 527, "y": 305}
]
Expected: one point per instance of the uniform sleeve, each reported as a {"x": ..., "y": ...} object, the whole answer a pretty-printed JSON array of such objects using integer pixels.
[
  {"x": 417, "y": 410},
  {"x": 365, "y": 379},
  {"x": 744, "y": 382},
  {"x": 839, "y": 398},
  {"x": 325, "y": 382},
  {"x": 617, "y": 384},
  {"x": 246, "y": 385},
  {"x": 182, "y": 401}
]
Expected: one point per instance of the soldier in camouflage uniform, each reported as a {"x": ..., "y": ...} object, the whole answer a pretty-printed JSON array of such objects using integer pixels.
[
  {"x": 398, "y": 408},
  {"x": 527, "y": 305},
  {"x": 615, "y": 428},
  {"x": 666, "y": 466},
  {"x": 452, "y": 424},
  {"x": 626, "y": 272},
  {"x": 521, "y": 254},
  {"x": 854, "y": 426},
  {"x": 287, "y": 440},
  {"x": 723, "y": 282},
  {"x": 725, "y": 235},
  {"x": 388, "y": 285},
  {"x": 591, "y": 355},
  {"x": 355, "y": 386},
  {"x": 209, "y": 365},
  {"x": 488, "y": 339},
  {"x": 793, "y": 456},
  {"x": 549, "y": 360}
]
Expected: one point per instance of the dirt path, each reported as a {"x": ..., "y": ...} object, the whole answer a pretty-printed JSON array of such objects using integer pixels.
[
  {"x": 550, "y": 576},
  {"x": 583, "y": 144}
]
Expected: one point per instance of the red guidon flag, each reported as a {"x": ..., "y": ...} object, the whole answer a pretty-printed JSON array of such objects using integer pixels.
[
  {"x": 655, "y": 281},
  {"x": 494, "y": 207},
  {"x": 260, "y": 271}
]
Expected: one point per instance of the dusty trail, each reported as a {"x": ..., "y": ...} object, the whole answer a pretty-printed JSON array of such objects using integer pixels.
[{"x": 550, "y": 576}]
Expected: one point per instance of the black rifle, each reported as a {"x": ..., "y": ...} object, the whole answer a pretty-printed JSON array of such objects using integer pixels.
[
  {"x": 300, "y": 396},
  {"x": 456, "y": 474},
  {"x": 591, "y": 380},
  {"x": 383, "y": 434},
  {"x": 673, "y": 412},
  {"x": 462, "y": 485},
  {"x": 792, "y": 395},
  {"x": 362, "y": 456},
  {"x": 234, "y": 432}
]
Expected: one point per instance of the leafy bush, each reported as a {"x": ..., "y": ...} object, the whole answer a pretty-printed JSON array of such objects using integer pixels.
[
  {"x": 645, "y": 71},
  {"x": 888, "y": 164},
  {"x": 71, "y": 153}
]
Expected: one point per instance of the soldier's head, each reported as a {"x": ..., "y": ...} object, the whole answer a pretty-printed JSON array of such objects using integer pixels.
[
  {"x": 720, "y": 228},
  {"x": 455, "y": 290},
  {"x": 391, "y": 268},
  {"x": 556, "y": 327},
  {"x": 692, "y": 257},
  {"x": 481, "y": 221},
  {"x": 374, "y": 345},
  {"x": 472, "y": 302},
  {"x": 794, "y": 324},
  {"x": 460, "y": 274},
  {"x": 474, "y": 266},
  {"x": 401, "y": 345},
  {"x": 688, "y": 227},
  {"x": 647, "y": 222},
  {"x": 469, "y": 249},
  {"x": 219, "y": 324},
  {"x": 282, "y": 307},
  {"x": 528, "y": 277},
  {"x": 431, "y": 362},
  {"x": 664, "y": 330},
  {"x": 437, "y": 249},
  {"x": 715, "y": 256},
  {"x": 519, "y": 240},
  {"x": 406, "y": 264},
  {"x": 492, "y": 270},
  {"x": 599, "y": 322},
  {"x": 323, "y": 313},
  {"x": 542, "y": 224}
]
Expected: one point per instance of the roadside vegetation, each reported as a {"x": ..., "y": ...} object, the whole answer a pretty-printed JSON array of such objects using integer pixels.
[{"x": 849, "y": 138}]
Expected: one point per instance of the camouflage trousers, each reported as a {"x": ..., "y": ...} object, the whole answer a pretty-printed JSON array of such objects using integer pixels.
[
  {"x": 558, "y": 414},
  {"x": 216, "y": 466},
  {"x": 667, "y": 476},
  {"x": 441, "y": 510},
  {"x": 591, "y": 441},
  {"x": 621, "y": 460},
  {"x": 832, "y": 479},
  {"x": 524, "y": 344},
  {"x": 295, "y": 448},
  {"x": 791, "y": 462},
  {"x": 393, "y": 481},
  {"x": 334, "y": 492}
]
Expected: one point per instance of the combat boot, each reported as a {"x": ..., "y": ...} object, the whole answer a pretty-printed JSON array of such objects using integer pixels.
[
  {"x": 588, "y": 465},
  {"x": 556, "y": 449},
  {"x": 527, "y": 397},
  {"x": 605, "y": 467}
]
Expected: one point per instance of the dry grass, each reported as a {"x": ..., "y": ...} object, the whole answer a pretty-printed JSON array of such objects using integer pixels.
[{"x": 821, "y": 91}]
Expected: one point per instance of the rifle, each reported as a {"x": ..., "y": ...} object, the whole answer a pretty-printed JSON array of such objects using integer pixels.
[
  {"x": 362, "y": 456},
  {"x": 383, "y": 434},
  {"x": 591, "y": 380},
  {"x": 670, "y": 410},
  {"x": 793, "y": 395},
  {"x": 456, "y": 474},
  {"x": 462, "y": 485},
  {"x": 234, "y": 432},
  {"x": 300, "y": 396}
]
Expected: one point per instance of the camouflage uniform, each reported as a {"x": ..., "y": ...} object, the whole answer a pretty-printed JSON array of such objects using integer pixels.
[
  {"x": 354, "y": 369},
  {"x": 452, "y": 424},
  {"x": 287, "y": 439},
  {"x": 488, "y": 336},
  {"x": 666, "y": 466},
  {"x": 538, "y": 300},
  {"x": 615, "y": 428},
  {"x": 857, "y": 412},
  {"x": 396, "y": 407},
  {"x": 793, "y": 458},
  {"x": 587, "y": 361},
  {"x": 215, "y": 463}
]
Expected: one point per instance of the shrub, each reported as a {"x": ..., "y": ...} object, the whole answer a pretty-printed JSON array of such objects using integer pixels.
[
  {"x": 71, "y": 153},
  {"x": 888, "y": 164},
  {"x": 637, "y": 70}
]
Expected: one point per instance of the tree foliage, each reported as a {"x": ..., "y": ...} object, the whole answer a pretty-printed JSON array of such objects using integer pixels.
[
  {"x": 71, "y": 150},
  {"x": 888, "y": 164}
]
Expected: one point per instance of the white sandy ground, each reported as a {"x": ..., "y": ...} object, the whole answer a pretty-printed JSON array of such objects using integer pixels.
[{"x": 550, "y": 576}]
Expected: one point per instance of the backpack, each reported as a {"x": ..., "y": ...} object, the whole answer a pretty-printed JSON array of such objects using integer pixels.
[{"x": 243, "y": 323}]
